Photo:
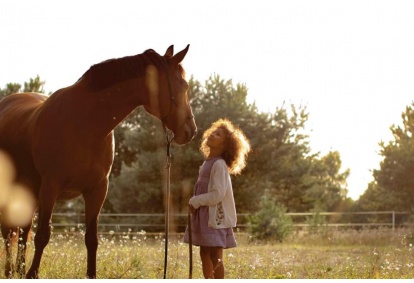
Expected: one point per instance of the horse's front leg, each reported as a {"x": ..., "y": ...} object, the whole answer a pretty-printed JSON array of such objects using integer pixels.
[
  {"x": 93, "y": 205},
  {"x": 91, "y": 242}
]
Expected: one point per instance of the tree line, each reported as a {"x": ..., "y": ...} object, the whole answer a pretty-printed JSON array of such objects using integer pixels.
[{"x": 282, "y": 165}]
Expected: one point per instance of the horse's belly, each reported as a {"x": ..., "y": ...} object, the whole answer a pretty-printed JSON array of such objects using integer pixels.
[{"x": 68, "y": 195}]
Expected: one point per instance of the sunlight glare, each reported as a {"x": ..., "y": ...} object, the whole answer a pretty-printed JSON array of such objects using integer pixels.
[
  {"x": 151, "y": 79},
  {"x": 7, "y": 175},
  {"x": 21, "y": 206}
]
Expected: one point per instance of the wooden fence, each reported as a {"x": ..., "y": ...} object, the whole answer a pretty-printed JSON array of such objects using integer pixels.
[{"x": 122, "y": 222}]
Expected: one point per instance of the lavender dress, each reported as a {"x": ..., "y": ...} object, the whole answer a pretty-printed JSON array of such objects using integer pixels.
[{"x": 202, "y": 235}]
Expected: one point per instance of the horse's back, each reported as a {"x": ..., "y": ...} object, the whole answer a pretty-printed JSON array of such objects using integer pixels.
[{"x": 17, "y": 115}]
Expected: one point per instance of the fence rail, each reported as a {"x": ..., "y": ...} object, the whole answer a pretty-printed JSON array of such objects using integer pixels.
[{"x": 119, "y": 222}]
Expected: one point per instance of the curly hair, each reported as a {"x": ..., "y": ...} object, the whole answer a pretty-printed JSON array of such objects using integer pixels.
[{"x": 237, "y": 145}]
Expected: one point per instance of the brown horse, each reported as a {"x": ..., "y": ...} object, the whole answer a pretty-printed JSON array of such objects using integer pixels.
[{"x": 62, "y": 146}]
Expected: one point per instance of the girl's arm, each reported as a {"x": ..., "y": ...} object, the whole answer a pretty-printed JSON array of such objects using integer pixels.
[{"x": 219, "y": 182}]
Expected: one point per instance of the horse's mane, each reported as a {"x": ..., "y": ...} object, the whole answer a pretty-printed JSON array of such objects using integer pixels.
[{"x": 112, "y": 71}]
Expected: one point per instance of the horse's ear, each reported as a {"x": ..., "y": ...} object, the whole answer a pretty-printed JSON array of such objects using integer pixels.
[
  {"x": 178, "y": 58},
  {"x": 170, "y": 51}
]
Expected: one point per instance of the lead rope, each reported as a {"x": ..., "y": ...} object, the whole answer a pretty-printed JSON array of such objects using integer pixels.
[
  {"x": 169, "y": 137},
  {"x": 190, "y": 246}
]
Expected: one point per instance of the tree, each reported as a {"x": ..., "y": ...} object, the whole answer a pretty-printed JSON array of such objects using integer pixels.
[
  {"x": 34, "y": 85},
  {"x": 328, "y": 184},
  {"x": 283, "y": 164},
  {"x": 136, "y": 177},
  {"x": 10, "y": 88},
  {"x": 393, "y": 185},
  {"x": 281, "y": 161}
]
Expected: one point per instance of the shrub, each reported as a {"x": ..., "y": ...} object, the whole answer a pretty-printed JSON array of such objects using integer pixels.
[
  {"x": 270, "y": 222},
  {"x": 317, "y": 223}
]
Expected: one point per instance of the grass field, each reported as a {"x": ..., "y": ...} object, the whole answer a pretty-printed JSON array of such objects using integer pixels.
[{"x": 350, "y": 254}]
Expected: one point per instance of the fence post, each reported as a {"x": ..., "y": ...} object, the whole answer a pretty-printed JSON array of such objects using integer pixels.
[{"x": 393, "y": 220}]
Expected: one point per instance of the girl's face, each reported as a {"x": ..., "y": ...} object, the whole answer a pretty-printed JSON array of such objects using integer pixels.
[{"x": 217, "y": 139}]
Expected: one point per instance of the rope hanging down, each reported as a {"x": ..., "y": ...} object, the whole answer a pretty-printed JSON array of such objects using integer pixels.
[
  {"x": 169, "y": 137},
  {"x": 190, "y": 247}
]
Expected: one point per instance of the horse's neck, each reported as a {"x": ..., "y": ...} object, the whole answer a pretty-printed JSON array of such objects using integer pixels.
[{"x": 113, "y": 104}]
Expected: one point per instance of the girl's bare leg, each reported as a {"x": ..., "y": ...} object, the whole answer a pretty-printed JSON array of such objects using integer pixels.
[
  {"x": 212, "y": 261},
  {"x": 216, "y": 255},
  {"x": 208, "y": 270}
]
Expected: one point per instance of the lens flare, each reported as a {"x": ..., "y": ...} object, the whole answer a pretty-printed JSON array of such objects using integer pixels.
[
  {"x": 151, "y": 79},
  {"x": 20, "y": 206},
  {"x": 7, "y": 175}
]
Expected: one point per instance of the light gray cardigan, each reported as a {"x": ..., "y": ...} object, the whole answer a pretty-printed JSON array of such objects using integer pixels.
[{"x": 219, "y": 198}]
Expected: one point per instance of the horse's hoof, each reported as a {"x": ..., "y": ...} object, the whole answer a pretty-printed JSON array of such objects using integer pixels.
[{"x": 31, "y": 275}]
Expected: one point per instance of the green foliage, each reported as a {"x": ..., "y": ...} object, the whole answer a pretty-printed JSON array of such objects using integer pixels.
[
  {"x": 317, "y": 222},
  {"x": 33, "y": 85},
  {"x": 393, "y": 185},
  {"x": 328, "y": 184},
  {"x": 270, "y": 222},
  {"x": 137, "y": 177},
  {"x": 10, "y": 88}
]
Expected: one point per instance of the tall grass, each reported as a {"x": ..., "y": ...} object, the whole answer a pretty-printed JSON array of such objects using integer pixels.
[{"x": 333, "y": 254}]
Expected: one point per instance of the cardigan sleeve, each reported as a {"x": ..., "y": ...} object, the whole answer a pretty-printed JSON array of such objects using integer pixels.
[{"x": 219, "y": 182}]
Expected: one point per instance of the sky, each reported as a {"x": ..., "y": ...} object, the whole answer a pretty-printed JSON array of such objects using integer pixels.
[{"x": 350, "y": 63}]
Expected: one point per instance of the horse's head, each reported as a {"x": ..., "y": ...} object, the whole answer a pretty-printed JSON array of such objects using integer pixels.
[{"x": 168, "y": 96}]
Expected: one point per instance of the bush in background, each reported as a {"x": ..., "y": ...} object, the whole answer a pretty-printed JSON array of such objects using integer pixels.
[
  {"x": 270, "y": 222},
  {"x": 317, "y": 223}
]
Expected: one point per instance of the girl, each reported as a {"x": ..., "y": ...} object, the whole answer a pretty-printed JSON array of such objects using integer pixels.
[{"x": 225, "y": 148}]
